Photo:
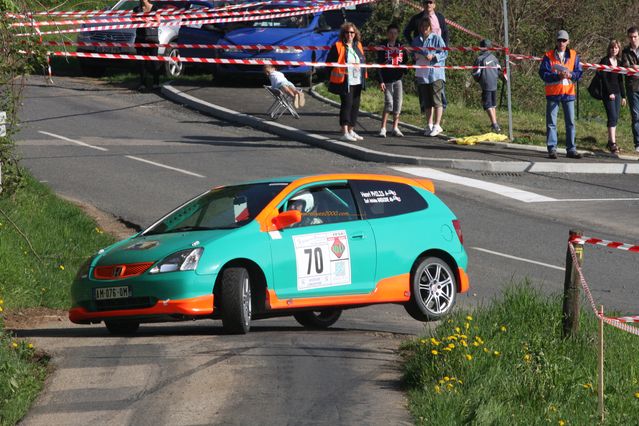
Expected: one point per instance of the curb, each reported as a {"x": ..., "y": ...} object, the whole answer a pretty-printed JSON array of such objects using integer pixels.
[{"x": 365, "y": 154}]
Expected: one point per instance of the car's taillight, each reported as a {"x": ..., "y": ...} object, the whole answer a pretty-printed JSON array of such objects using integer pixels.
[{"x": 457, "y": 226}]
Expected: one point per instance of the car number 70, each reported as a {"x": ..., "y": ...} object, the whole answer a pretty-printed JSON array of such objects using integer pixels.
[{"x": 319, "y": 260}]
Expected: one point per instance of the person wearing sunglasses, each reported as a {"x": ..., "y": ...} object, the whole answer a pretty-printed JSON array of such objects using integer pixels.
[
  {"x": 348, "y": 82},
  {"x": 560, "y": 69}
]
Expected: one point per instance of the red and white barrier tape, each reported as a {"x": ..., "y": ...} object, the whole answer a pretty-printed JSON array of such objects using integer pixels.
[
  {"x": 300, "y": 11},
  {"x": 627, "y": 319},
  {"x": 256, "y": 46},
  {"x": 606, "y": 243},
  {"x": 611, "y": 321},
  {"x": 226, "y": 61}
]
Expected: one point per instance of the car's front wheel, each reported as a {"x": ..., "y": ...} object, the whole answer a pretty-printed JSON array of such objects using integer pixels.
[
  {"x": 236, "y": 300},
  {"x": 433, "y": 290},
  {"x": 122, "y": 327},
  {"x": 173, "y": 68},
  {"x": 318, "y": 319}
]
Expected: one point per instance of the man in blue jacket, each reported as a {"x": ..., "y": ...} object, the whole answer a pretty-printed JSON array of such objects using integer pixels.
[{"x": 560, "y": 70}]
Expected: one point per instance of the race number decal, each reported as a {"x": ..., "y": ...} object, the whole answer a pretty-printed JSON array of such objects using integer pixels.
[{"x": 323, "y": 260}]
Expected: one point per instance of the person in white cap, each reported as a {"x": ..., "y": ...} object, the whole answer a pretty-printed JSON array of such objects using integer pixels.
[{"x": 560, "y": 70}]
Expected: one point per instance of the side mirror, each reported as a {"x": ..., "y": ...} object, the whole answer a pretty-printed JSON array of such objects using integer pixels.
[{"x": 286, "y": 219}]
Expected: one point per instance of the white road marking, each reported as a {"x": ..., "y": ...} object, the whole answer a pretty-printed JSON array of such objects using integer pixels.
[
  {"x": 53, "y": 135},
  {"x": 186, "y": 172},
  {"x": 521, "y": 259},
  {"x": 506, "y": 191},
  {"x": 596, "y": 199}
]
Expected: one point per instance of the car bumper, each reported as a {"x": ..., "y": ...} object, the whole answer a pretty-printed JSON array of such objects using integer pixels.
[{"x": 176, "y": 293}]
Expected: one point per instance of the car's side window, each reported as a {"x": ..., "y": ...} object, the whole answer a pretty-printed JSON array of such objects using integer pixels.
[
  {"x": 323, "y": 204},
  {"x": 384, "y": 199}
]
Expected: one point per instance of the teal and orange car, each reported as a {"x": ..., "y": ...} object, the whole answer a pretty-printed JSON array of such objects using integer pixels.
[{"x": 304, "y": 246}]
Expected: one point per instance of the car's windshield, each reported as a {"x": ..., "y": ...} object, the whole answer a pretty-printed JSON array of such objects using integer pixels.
[
  {"x": 221, "y": 208},
  {"x": 299, "y": 21}
]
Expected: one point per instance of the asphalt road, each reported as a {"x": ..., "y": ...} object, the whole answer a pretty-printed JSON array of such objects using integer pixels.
[{"x": 137, "y": 156}]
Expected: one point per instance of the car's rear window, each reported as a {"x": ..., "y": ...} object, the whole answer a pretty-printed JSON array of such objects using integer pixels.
[{"x": 384, "y": 199}]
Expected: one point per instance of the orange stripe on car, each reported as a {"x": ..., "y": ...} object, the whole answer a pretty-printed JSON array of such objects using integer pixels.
[
  {"x": 393, "y": 289},
  {"x": 196, "y": 306},
  {"x": 464, "y": 281}
]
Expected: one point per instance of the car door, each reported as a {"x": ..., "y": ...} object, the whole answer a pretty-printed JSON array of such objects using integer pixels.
[{"x": 331, "y": 252}]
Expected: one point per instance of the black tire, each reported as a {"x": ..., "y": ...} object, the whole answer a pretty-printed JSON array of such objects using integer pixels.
[
  {"x": 91, "y": 68},
  {"x": 236, "y": 300},
  {"x": 433, "y": 290},
  {"x": 122, "y": 327},
  {"x": 173, "y": 69},
  {"x": 318, "y": 319}
]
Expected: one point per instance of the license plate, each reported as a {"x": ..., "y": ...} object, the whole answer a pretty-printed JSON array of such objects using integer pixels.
[
  {"x": 106, "y": 293},
  {"x": 107, "y": 49}
]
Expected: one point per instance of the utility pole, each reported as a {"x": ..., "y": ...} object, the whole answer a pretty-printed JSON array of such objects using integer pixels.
[{"x": 508, "y": 76}]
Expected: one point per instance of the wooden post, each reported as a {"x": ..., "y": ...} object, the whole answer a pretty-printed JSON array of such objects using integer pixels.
[
  {"x": 600, "y": 387},
  {"x": 571, "y": 288}
]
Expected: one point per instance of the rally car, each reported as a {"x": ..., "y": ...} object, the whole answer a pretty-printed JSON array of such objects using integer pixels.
[{"x": 303, "y": 246}]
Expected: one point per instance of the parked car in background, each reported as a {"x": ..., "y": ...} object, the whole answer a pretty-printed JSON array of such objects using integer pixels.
[
  {"x": 318, "y": 29},
  {"x": 167, "y": 34},
  {"x": 306, "y": 246}
]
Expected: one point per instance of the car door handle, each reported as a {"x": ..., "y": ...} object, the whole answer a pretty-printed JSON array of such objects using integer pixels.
[{"x": 358, "y": 236}]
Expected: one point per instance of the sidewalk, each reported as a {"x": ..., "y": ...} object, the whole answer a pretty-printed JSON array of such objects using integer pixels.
[{"x": 318, "y": 125}]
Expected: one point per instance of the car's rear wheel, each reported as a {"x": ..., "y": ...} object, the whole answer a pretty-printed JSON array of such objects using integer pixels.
[
  {"x": 433, "y": 290},
  {"x": 236, "y": 300},
  {"x": 173, "y": 68},
  {"x": 318, "y": 319},
  {"x": 122, "y": 327}
]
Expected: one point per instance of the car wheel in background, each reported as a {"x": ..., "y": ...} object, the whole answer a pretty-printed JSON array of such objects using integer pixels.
[
  {"x": 175, "y": 68},
  {"x": 121, "y": 327},
  {"x": 91, "y": 68},
  {"x": 236, "y": 300},
  {"x": 433, "y": 290},
  {"x": 318, "y": 319}
]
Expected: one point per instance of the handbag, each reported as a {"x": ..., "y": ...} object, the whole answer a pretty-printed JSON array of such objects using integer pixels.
[{"x": 596, "y": 86}]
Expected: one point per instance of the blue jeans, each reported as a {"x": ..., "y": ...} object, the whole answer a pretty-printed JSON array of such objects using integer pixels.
[
  {"x": 612, "y": 109},
  {"x": 551, "y": 124},
  {"x": 633, "y": 97}
]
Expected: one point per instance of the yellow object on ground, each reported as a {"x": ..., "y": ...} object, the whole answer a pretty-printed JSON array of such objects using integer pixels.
[{"x": 486, "y": 137}]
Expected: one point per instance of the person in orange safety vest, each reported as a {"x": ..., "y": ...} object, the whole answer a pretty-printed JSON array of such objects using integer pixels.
[{"x": 560, "y": 69}]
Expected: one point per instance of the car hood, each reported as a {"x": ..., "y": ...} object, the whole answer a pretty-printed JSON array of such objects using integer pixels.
[
  {"x": 153, "y": 248},
  {"x": 265, "y": 36}
]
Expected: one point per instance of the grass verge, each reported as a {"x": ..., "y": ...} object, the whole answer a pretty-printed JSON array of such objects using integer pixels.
[
  {"x": 507, "y": 364},
  {"x": 43, "y": 241},
  {"x": 529, "y": 128}
]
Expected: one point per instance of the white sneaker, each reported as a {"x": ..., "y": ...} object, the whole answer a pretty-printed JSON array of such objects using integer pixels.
[
  {"x": 398, "y": 133},
  {"x": 428, "y": 130},
  {"x": 347, "y": 137},
  {"x": 436, "y": 130},
  {"x": 382, "y": 132},
  {"x": 637, "y": 149},
  {"x": 356, "y": 136}
]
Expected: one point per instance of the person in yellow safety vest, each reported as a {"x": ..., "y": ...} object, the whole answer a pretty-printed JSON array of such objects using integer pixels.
[
  {"x": 560, "y": 70},
  {"x": 348, "y": 82}
]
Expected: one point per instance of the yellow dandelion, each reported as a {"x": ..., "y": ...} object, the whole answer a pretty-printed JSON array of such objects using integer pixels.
[
  {"x": 469, "y": 357},
  {"x": 1, "y": 309},
  {"x": 61, "y": 267},
  {"x": 14, "y": 344},
  {"x": 503, "y": 328},
  {"x": 30, "y": 346},
  {"x": 562, "y": 422},
  {"x": 587, "y": 385},
  {"x": 423, "y": 341},
  {"x": 441, "y": 381},
  {"x": 486, "y": 350},
  {"x": 449, "y": 386},
  {"x": 452, "y": 338},
  {"x": 475, "y": 344},
  {"x": 636, "y": 394},
  {"x": 434, "y": 341},
  {"x": 446, "y": 379},
  {"x": 464, "y": 344},
  {"x": 527, "y": 357},
  {"x": 469, "y": 318},
  {"x": 438, "y": 389},
  {"x": 457, "y": 330},
  {"x": 496, "y": 353},
  {"x": 447, "y": 349},
  {"x": 434, "y": 352},
  {"x": 1, "y": 302},
  {"x": 451, "y": 345},
  {"x": 467, "y": 326}
]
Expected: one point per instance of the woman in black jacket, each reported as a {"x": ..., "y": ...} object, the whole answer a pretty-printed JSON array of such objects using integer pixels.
[{"x": 613, "y": 93}]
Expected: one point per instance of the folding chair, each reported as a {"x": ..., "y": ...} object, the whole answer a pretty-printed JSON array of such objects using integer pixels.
[{"x": 281, "y": 104}]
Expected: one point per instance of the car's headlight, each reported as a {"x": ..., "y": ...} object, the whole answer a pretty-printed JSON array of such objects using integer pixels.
[
  {"x": 185, "y": 260},
  {"x": 83, "y": 272},
  {"x": 288, "y": 50}
]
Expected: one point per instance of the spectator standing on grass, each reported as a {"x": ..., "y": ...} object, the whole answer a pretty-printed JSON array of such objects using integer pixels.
[
  {"x": 390, "y": 80},
  {"x": 148, "y": 35},
  {"x": 487, "y": 79},
  {"x": 430, "y": 81},
  {"x": 560, "y": 69},
  {"x": 613, "y": 93},
  {"x": 437, "y": 22},
  {"x": 348, "y": 82},
  {"x": 630, "y": 59}
]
